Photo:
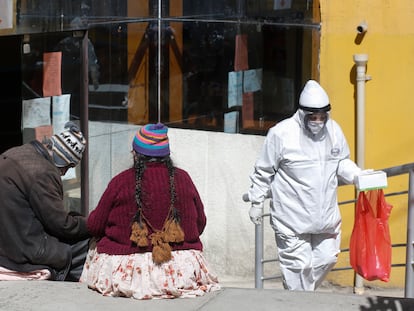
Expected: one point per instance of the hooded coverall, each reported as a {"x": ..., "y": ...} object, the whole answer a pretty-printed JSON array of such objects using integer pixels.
[{"x": 301, "y": 171}]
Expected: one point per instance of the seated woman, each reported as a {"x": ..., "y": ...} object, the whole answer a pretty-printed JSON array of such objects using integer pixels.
[{"x": 147, "y": 226}]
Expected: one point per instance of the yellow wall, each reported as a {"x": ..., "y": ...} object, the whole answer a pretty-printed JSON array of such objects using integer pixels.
[{"x": 389, "y": 109}]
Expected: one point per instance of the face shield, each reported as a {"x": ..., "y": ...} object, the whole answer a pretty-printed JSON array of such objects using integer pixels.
[{"x": 315, "y": 121}]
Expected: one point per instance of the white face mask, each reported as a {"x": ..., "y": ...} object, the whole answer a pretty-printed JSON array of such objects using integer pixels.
[{"x": 315, "y": 126}]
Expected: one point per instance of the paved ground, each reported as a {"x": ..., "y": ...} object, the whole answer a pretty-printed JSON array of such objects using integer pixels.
[{"x": 66, "y": 296}]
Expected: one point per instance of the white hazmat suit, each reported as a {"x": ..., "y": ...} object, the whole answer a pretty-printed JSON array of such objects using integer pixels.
[{"x": 299, "y": 164}]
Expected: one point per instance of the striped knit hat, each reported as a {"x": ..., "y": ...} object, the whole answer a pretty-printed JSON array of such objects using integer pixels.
[
  {"x": 68, "y": 146},
  {"x": 152, "y": 140}
]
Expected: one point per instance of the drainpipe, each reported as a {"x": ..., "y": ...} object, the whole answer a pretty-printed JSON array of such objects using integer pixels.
[{"x": 360, "y": 61}]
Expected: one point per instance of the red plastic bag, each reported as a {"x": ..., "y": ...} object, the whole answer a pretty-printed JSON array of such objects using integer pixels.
[{"x": 370, "y": 246}]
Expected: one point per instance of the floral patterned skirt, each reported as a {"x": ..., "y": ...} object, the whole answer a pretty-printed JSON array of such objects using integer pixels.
[{"x": 136, "y": 275}]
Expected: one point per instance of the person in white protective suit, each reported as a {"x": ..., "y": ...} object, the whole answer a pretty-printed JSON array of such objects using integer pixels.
[{"x": 299, "y": 165}]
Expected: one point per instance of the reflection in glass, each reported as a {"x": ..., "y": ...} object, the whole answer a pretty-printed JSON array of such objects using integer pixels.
[
  {"x": 217, "y": 65},
  {"x": 198, "y": 63}
]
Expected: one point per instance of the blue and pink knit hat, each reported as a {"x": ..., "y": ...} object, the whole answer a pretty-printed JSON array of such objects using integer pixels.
[{"x": 152, "y": 140}]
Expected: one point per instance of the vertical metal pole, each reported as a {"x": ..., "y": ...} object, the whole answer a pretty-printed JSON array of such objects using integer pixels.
[
  {"x": 258, "y": 260},
  {"x": 84, "y": 116},
  {"x": 360, "y": 61},
  {"x": 159, "y": 58},
  {"x": 409, "y": 260}
]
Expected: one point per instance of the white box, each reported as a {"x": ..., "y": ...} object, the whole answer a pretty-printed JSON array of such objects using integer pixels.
[{"x": 371, "y": 180}]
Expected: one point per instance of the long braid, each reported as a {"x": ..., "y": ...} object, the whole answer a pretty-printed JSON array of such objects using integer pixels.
[
  {"x": 171, "y": 231},
  {"x": 139, "y": 234},
  {"x": 171, "y": 171},
  {"x": 139, "y": 166}
]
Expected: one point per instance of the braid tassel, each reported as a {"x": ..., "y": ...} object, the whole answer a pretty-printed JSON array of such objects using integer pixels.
[
  {"x": 139, "y": 231},
  {"x": 161, "y": 250},
  {"x": 172, "y": 228}
]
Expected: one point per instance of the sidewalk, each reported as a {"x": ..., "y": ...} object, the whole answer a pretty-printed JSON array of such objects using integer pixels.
[{"x": 68, "y": 296}]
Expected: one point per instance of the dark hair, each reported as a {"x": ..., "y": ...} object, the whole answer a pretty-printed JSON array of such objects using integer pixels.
[{"x": 140, "y": 162}]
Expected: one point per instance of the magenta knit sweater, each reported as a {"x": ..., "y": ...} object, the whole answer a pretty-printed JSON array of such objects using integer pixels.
[{"x": 110, "y": 221}]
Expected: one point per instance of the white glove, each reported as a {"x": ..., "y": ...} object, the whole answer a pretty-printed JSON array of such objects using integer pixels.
[{"x": 256, "y": 213}]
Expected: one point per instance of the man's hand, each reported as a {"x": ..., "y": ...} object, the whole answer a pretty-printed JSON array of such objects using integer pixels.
[{"x": 256, "y": 213}]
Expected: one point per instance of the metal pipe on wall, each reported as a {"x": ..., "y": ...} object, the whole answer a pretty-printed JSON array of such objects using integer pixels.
[{"x": 361, "y": 62}]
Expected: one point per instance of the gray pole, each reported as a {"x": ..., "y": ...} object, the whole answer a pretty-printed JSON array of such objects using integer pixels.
[
  {"x": 409, "y": 274},
  {"x": 361, "y": 62},
  {"x": 84, "y": 123},
  {"x": 258, "y": 260}
]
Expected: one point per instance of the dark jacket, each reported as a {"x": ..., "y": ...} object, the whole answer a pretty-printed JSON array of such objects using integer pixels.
[{"x": 35, "y": 229}]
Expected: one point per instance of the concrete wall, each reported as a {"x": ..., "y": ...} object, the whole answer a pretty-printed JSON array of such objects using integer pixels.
[{"x": 219, "y": 164}]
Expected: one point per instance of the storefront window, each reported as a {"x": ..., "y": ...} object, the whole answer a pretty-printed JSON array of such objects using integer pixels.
[
  {"x": 51, "y": 93},
  {"x": 233, "y": 66}
]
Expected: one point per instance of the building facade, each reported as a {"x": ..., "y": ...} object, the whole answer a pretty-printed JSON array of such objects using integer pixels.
[{"x": 219, "y": 74}]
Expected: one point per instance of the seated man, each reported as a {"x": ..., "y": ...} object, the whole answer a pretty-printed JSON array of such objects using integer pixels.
[{"x": 38, "y": 237}]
